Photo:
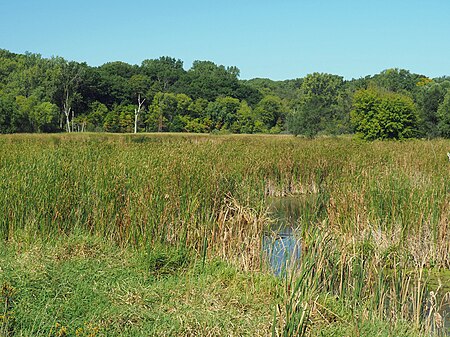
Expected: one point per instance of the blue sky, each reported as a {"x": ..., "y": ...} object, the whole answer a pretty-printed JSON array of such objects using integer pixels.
[{"x": 275, "y": 39}]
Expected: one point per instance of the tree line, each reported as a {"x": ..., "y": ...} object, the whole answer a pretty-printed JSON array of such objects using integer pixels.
[{"x": 55, "y": 95}]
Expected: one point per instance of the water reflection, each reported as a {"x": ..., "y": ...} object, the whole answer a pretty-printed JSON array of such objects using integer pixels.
[
  {"x": 281, "y": 243},
  {"x": 282, "y": 251}
]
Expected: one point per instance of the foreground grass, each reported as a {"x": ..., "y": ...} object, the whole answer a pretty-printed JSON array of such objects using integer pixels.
[{"x": 84, "y": 284}]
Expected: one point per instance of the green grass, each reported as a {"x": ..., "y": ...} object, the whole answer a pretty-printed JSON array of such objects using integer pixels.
[
  {"x": 161, "y": 234},
  {"x": 84, "y": 286},
  {"x": 84, "y": 282}
]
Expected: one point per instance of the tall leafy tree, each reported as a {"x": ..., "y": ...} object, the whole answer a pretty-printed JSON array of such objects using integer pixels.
[
  {"x": 96, "y": 116},
  {"x": 25, "y": 106},
  {"x": 308, "y": 118},
  {"x": 196, "y": 120},
  {"x": 443, "y": 115},
  {"x": 8, "y": 114},
  {"x": 126, "y": 114},
  {"x": 379, "y": 114},
  {"x": 162, "y": 111},
  {"x": 317, "y": 104},
  {"x": 198, "y": 107},
  {"x": 114, "y": 83},
  {"x": 429, "y": 97},
  {"x": 223, "y": 112},
  {"x": 270, "y": 111},
  {"x": 44, "y": 117},
  {"x": 111, "y": 122},
  {"x": 121, "y": 69},
  {"x": 246, "y": 120},
  {"x": 69, "y": 79}
]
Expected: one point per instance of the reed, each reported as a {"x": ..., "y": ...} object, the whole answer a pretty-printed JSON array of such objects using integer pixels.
[
  {"x": 374, "y": 216},
  {"x": 343, "y": 283}
]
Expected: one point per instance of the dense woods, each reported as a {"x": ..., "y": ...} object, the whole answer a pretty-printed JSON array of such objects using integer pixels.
[{"x": 52, "y": 94}]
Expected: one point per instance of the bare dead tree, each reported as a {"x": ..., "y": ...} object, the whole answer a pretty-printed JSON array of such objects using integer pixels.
[
  {"x": 83, "y": 125},
  {"x": 73, "y": 117},
  {"x": 71, "y": 74},
  {"x": 67, "y": 109},
  {"x": 137, "y": 111}
]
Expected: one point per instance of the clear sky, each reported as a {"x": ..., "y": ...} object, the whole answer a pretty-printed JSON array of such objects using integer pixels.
[{"x": 280, "y": 39}]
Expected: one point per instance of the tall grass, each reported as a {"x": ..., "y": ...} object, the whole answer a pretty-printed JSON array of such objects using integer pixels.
[
  {"x": 342, "y": 282},
  {"x": 178, "y": 189},
  {"x": 376, "y": 215}
]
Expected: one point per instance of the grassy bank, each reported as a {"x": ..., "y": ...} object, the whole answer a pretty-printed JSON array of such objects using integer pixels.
[{"x": 164, "y": 232}]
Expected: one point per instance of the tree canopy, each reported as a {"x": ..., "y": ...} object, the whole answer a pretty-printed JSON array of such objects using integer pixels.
[{"x": 53, "y": 94}]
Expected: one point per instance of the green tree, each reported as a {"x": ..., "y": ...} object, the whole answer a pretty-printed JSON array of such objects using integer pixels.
[
  {"x": 379, "y": 114},
  {"x": 306, "y": 119},
  {"x": 196, "y": 120},
  {"x": 245, "y": 92},
  {"x": 397, "y": 80},
  {"x": 138, "y": 84},
  {"x": 286, "y": 90},
  {"x": 44, "y": 117},
  {"x": 162, "y": 111},
  {"x": 26, "y": 106},
  {"x": 246, "y": 118},
  {"x": 126, "y": 114},
  {"x": 8, "y": 113},
  {"x": 198, "y": 108},
  {"x": 429, "y": 97},
  {"x": 443, "y": 115},
  {"x": 114, "y": 78},
  {"x": 183, "y": 104},
  {"x": 112, "y": 122},
  {"x": 96, "y": 116},
  {"x": 197, "y": 125},
  {"x": 317, "y": 105},
  {"x": 223, "y": 112},
  {"x": 339, "y": 122},
  {"x": 181, "y": 115},
  {"x": 270, "y": 111}
]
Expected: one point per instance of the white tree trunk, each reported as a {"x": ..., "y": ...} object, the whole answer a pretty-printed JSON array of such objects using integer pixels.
[
  {"x": 67, "y": 113},
  {"x": 73, "y": 115},
  {"x": 67, "y": 110},
  {"x": 137, "y": 111}
]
